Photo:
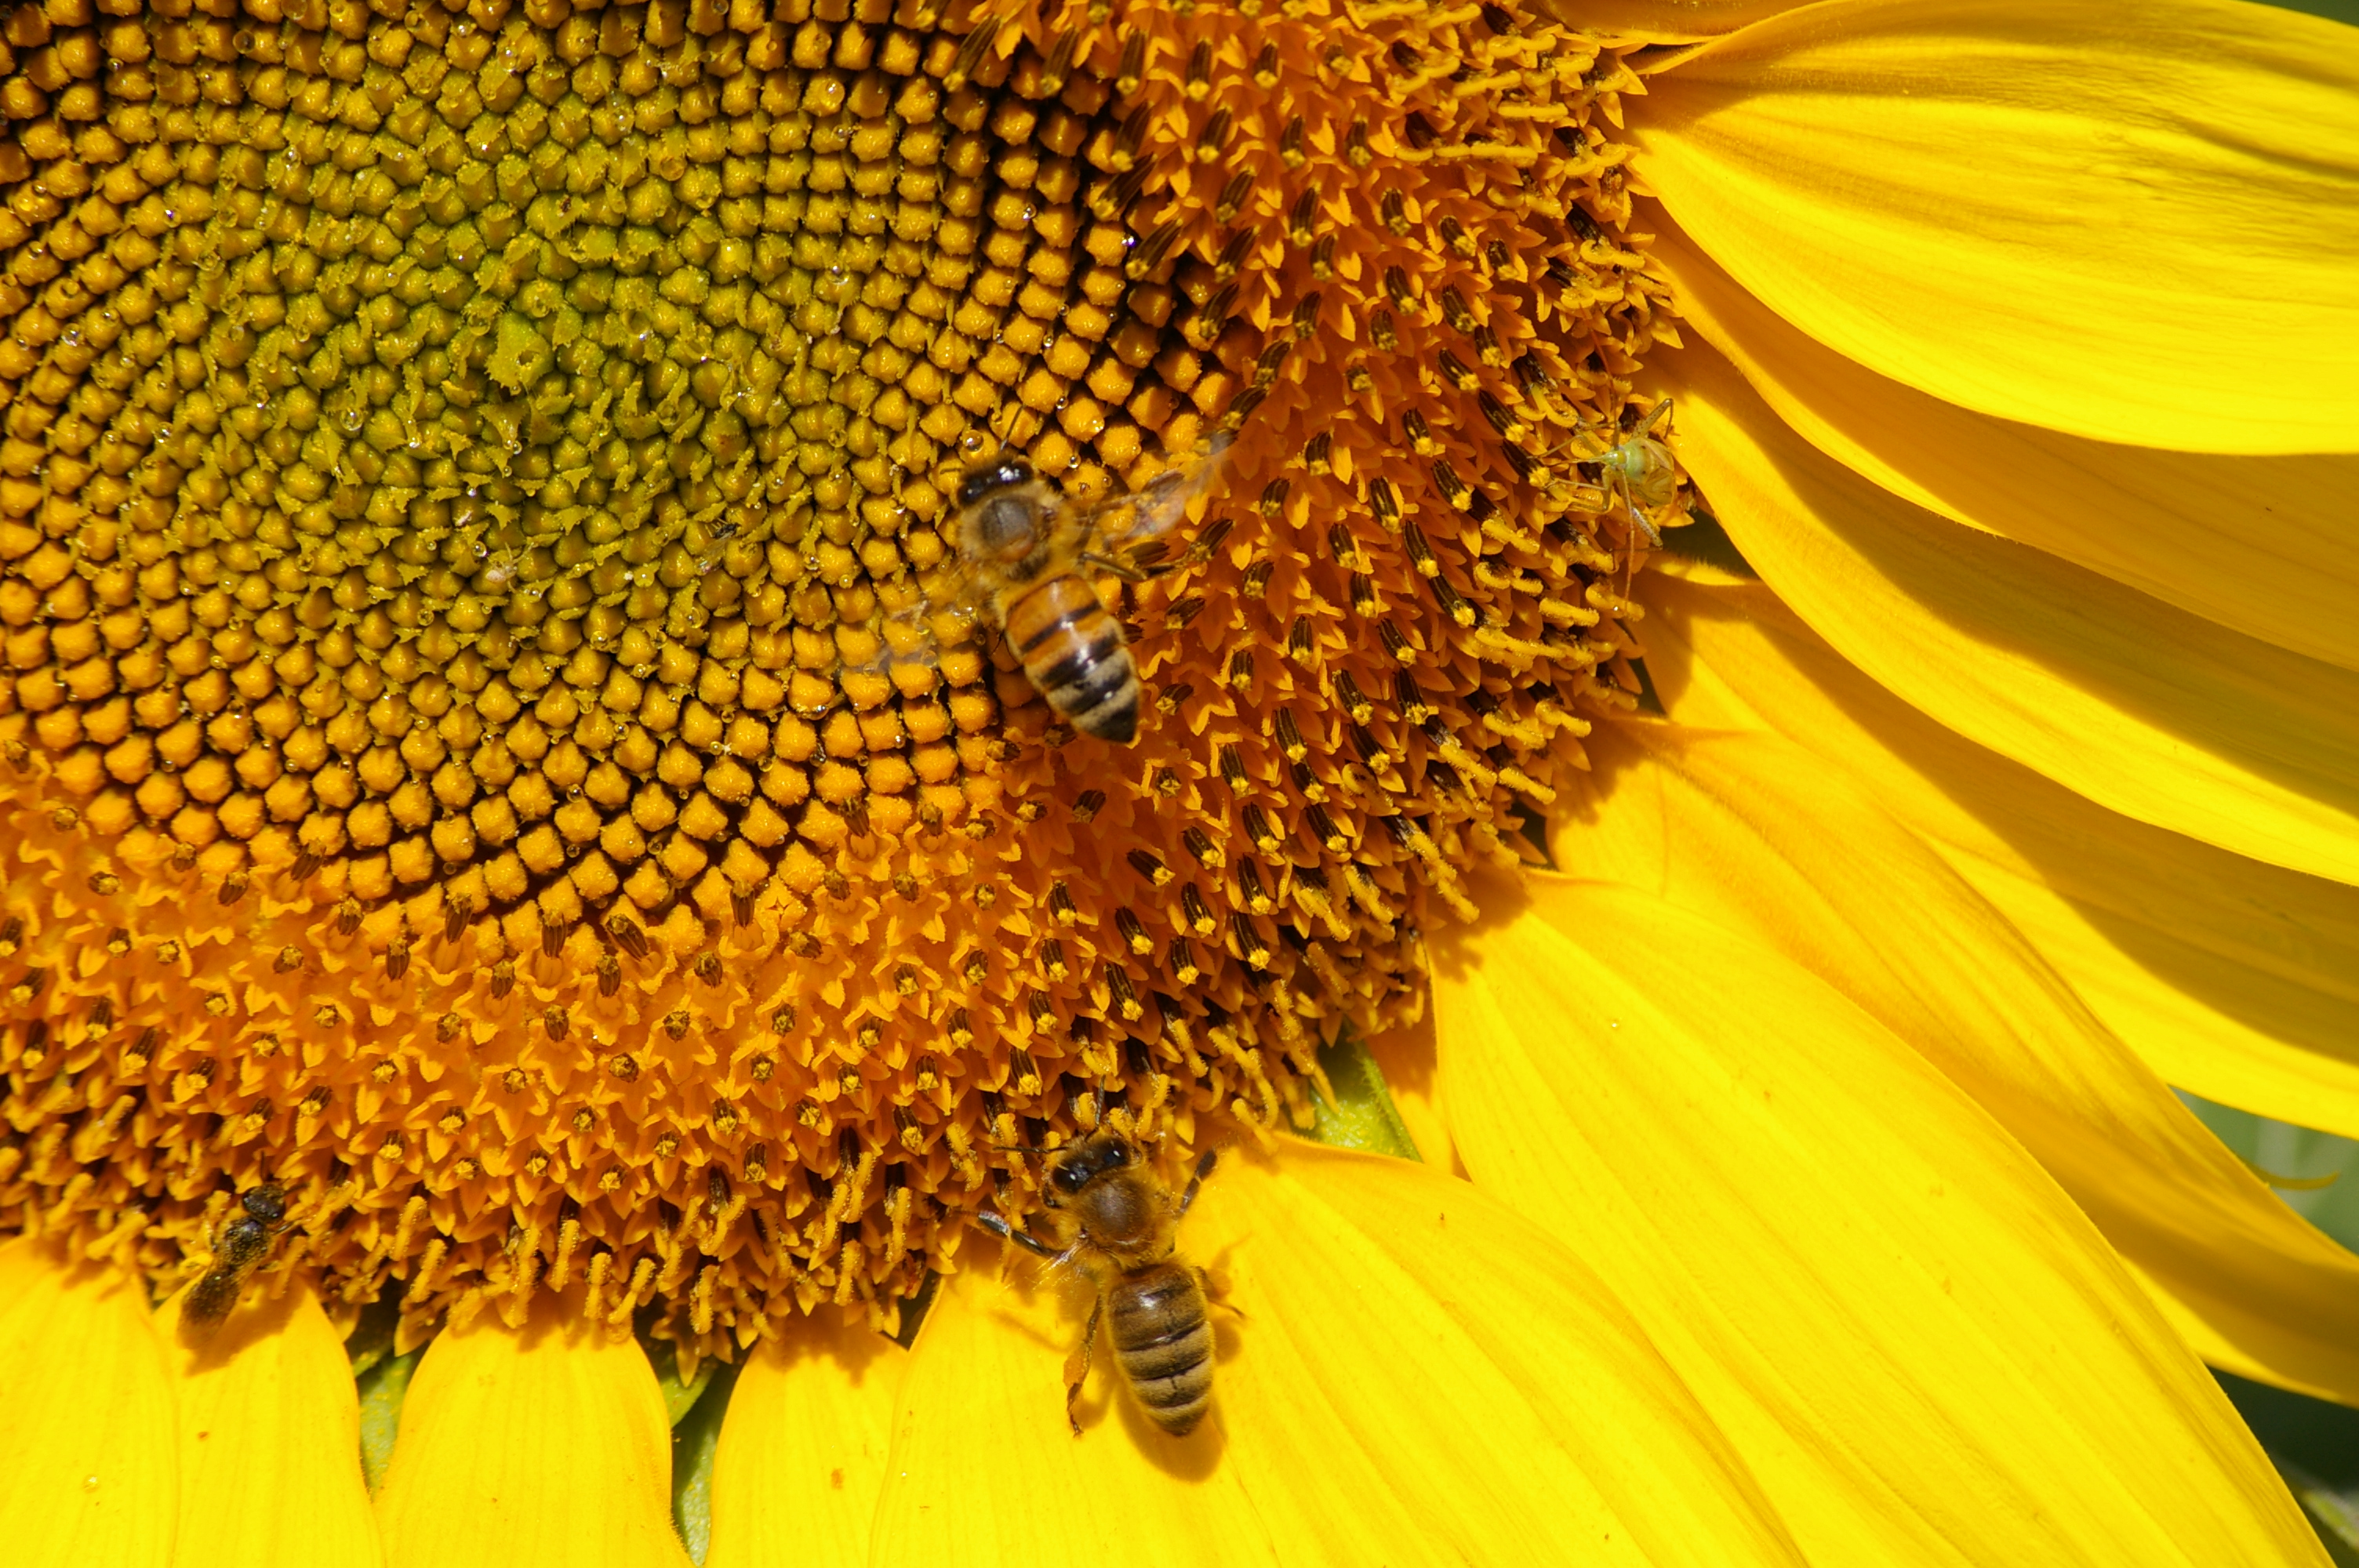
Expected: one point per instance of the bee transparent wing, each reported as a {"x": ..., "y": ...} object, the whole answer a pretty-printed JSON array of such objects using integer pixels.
[
  {"x": 1157, "y": 506},
  {"x": 929, "y": 631},
  {"x": 905, "y": 635}
]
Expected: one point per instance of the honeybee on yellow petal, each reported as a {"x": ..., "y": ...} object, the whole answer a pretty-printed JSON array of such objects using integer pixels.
[
  {"x": 1126, "y": 1223},
  {"x": 1025, "y": 546}
]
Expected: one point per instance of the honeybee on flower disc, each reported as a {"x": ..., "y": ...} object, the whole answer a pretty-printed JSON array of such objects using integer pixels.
[
  {"x": 1025, "y": 546},
  {"x": 239, "y": 1247}
]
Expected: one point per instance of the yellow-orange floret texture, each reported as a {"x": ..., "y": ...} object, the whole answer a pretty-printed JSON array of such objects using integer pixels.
[{"x": 489, "y": 735}]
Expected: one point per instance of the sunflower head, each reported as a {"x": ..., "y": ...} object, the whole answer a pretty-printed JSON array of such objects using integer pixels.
[{"x": 491, "y": 746}]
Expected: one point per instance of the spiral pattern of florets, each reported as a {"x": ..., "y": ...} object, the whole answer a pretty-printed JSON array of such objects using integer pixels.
[{"x": 484, "y": 742}]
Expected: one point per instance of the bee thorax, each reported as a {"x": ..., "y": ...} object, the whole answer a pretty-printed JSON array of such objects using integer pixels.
[{"x": 1119, "y": 1215}]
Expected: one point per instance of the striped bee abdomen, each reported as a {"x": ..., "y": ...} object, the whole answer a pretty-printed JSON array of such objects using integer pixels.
[
  {"x": 1163, "y": 1343},
  {"x": 1073, "y": 655}
]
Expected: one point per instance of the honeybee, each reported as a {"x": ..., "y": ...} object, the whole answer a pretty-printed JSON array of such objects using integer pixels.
[
  {"x": 1126, "y": 1226},
  {"x": 239, "y": 1246},
  {"x": 1024, "y": 546}
]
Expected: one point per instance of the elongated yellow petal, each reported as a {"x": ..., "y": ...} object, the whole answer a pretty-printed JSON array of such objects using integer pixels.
[
  {"x": 2258, "y": 545},
  {"x": 2233, "y": 742},
  {"x": 545, "y": 1446},
  {"x": 802, "y": 1449},
  {"x": 1679, "y": 19},
  {"x": 1752, "y": 833},
  {"x": 2224, "y": 1013},
  {"x": 270, "y": 1436},
  {"x": 87, "y": 1462},
  {"x": 2130, "y": 223},
  {"x": 2230, "y": 977},
  {"x": 1407, "y": 1372},
  {"x": 1924, "y": 1351}
]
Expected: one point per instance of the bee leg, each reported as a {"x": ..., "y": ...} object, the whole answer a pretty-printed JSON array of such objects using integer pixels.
[
  {"x": 1204, "y": 1163},
  {"x": 993, "y": 1223},
  {"x": 1077, "y": 1367},
  {"x": 1122, "y": 569},
  {"x": 1214, "y": 1295}
]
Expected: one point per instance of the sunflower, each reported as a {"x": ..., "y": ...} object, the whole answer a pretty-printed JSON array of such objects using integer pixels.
[{"x": 1766, "y": 628}]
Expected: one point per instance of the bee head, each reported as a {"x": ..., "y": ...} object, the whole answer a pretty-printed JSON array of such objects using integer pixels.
[
  {"x": 1105, "y": 1179},
  {"x": 1075, "y": 1168},
  {"x": 267, "y": 1205},
  {"x": 1003, "y": 472},
  {"x": 1000, "y": 507}
]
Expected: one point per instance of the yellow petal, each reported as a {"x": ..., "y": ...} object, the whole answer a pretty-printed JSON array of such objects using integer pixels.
[
  {"x": 87, "y": 1466},
  {"x": 1752, "y": 833},
  {"x": 1922, "y": 1349},
  {"x": 547, "y": 1446},
  {"x": 1678, "y": 18},
  {"x": 1407, "y": 1372},
  {"x": 2258, "y": 545},
  {"x": 270, "y": 1443},
  {"x": 2133, "y": 222},
  {"x": 2139, "y": 707},
  {"x": 2234, "y": 978},
  {"x": 802, "y": 1448}
]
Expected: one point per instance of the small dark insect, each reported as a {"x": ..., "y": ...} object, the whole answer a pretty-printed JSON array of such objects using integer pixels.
[
  {"x": 1127, "y": 1241},
  {"x": 241, "y": 1244}
]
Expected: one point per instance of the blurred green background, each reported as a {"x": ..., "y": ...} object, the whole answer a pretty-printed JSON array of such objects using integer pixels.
[{"x": 2315, "y": 1445}]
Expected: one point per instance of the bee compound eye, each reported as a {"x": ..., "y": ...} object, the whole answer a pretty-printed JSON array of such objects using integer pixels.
[{"x": 1005, "y": 474}]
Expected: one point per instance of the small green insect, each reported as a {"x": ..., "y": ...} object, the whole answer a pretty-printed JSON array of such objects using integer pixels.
[{"x": 1640, "y": 467}]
